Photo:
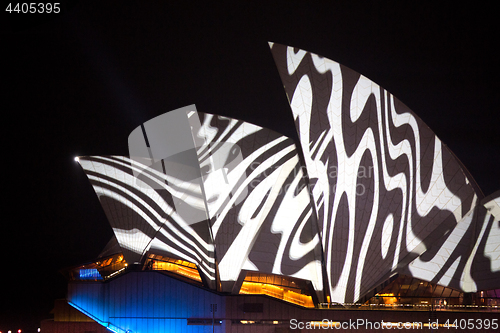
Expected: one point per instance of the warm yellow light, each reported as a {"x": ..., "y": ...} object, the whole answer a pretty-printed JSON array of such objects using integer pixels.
[
  {"x": 326, "y": 324},
  {"x": 277, "y": 292},
  {"x": 185, "y": 270}
]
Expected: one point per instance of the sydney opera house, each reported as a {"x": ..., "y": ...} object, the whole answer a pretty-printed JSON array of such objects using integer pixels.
[{"x": 221, "y": 225}]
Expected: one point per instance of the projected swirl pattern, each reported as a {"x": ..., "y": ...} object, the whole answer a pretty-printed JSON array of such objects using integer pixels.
[
  {"x": 144, "y": 217},
  {"x": 381, "y": 195},
  {"x": 384, "y": 186},
  {"x": 260, "y": 209},
  {"x": 256, "y": 212}
]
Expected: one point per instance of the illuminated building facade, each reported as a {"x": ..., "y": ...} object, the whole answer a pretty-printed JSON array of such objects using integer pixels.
[{"x": 222, "y": 223}]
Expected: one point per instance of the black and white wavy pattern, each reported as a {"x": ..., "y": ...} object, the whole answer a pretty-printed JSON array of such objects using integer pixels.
[
  {"x": 260, "y": 209},
  {"x": 253, "y": 194},
  {"x": 381, "y": 193},
  {"x": 467, "y": 258},
  {"x": 143, "y": 217},
  {"x": 385, "y": 187}
]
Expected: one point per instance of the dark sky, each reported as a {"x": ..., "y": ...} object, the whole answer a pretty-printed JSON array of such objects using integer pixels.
[{"x": 78, "y": 82}]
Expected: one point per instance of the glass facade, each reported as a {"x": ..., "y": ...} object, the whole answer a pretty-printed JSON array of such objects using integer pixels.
[
  {"x": 99, "y": 270},
  {"x": 282, "y": 287},
  {"x": 412, "y": 293},
  {"x": 179, "y": 267}
]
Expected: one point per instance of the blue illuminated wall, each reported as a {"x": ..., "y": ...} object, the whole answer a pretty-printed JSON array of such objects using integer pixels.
[
  {"x": 144, "y": 302},
  {"x": 150, "y": 302}
]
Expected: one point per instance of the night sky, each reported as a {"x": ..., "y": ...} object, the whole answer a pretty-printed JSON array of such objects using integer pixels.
[{"x": 78, "y": 82}]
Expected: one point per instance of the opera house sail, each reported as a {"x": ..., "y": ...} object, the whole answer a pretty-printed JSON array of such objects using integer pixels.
[
  {"x": 398, "y": 197},
  {"x": 235, "y": 195},
  {"x": 372, "y": 204}
]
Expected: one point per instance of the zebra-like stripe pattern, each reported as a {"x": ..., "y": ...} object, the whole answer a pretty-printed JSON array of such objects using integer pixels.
[
  {"x": 144, "y": 217},
  {"x": 258, "y": 210},
  {"x": 385, "y": 187},
  {"x": 379, "y": 193}
]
